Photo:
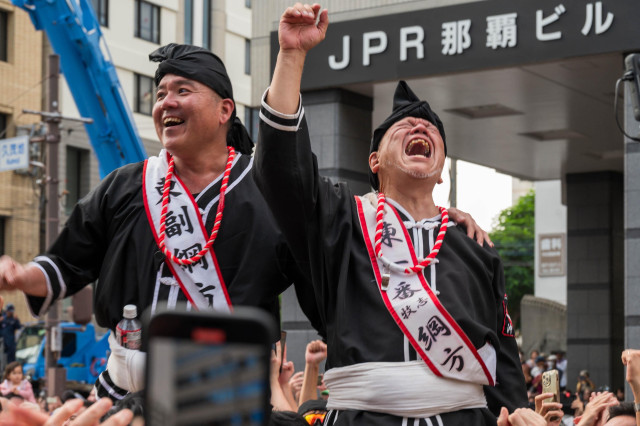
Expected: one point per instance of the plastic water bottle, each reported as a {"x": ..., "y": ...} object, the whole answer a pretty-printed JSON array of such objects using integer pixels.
[{"x": 129, "y": 329}]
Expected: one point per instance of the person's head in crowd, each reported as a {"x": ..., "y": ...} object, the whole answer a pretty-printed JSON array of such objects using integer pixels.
[
  {"x": 69, "y": 394},
  {"x": 313, "y": 411},
  {"x": 551, "y": 362},
  {"x": 559, "y": 355},
  {"x": 586, "y": 394},
  {"x": 541, "y": 362},
  {"x": 620, "y": 394},
  {"x": 194, "y": 102},
  {"x": 13, "y": 372},
  {"x": 11, "y": 310},
  {"x": 533, "y": 355},
  {"x": 324, "y": 394},
  {"x": 286, "y": 418},
  {"x": 14, "y": 398},
  {"x": 622, "y": 414}
]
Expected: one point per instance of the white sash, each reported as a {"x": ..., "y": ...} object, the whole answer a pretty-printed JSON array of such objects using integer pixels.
[
  {"x": 185, "y": 236},
  {"x": 433, "y": 333}
]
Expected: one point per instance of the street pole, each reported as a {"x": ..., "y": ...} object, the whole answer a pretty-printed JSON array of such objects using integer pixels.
[{"x": 55, "y": 376}]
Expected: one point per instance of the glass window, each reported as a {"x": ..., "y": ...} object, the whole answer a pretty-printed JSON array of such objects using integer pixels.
[
  {"x": 188, "y": 21},
  {"x": 144, "y": 95},
  {"x": 4, "y": 35},
  {"x": 206, "y": 24},
  {"x": 247, "y": 56},
  {"x": 4, "y": 119},
  {"x": 101, "y": 8},
  {"x": 147, "y": 22},
  {"x": 252, "y": 121}
]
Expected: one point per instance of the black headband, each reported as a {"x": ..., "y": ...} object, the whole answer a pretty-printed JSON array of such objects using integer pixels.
[
  {"x": 196, "y": 63},
  {"x": 405, "y": 104}
]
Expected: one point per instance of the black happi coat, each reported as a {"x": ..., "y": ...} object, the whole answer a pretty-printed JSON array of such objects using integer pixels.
[
  {"x": 320, "y": 221},
  {"x": 108, "y": 237}
]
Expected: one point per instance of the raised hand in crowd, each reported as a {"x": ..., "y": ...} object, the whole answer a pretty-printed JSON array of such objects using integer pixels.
[
  {"x": 631, "y": 359},
  {"x": 520, "y": 417},
  {"x": 295, "y": 384},
  {"x": 286, "y": 372},
  {"x": 315, "y": 353},
  {"x": 21, "y": 416},
  {"x": 279, "y": 401},
  {"x": 550, "y": 411},
  {"x": 596, "y": 411}
]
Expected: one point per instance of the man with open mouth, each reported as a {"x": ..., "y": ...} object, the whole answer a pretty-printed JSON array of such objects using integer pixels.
[{"x": 418, "y": 331}]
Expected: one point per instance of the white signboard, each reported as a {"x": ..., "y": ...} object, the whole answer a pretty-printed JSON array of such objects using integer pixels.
[
  {"x": 14, "y": 153},
  {"x": 552, "y": 255}
]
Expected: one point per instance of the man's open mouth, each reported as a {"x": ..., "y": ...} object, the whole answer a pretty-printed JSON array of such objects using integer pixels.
[
  {"x": 418, "y": 147},
  {"x": 172, "y": 121}
]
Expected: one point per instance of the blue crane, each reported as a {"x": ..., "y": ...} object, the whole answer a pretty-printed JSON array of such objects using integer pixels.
[{"x": 75, "y": 35}]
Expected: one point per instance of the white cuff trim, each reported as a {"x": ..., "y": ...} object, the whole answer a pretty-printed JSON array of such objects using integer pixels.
[
  {"x": 280, "y": 114},
  {"x": 47, "y": 300}
]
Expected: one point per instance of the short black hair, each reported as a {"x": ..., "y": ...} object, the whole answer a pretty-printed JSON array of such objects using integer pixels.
[{"x": 622, "y": 409}]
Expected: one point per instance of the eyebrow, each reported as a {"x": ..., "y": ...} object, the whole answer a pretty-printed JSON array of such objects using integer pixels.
[{"x": 180, "y": 82}]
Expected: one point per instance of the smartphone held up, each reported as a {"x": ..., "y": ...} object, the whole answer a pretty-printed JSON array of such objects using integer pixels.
[{"x": 208, "y": 368}]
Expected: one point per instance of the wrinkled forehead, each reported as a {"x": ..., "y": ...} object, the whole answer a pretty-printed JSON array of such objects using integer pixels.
[{"x": 408, "y": 122}]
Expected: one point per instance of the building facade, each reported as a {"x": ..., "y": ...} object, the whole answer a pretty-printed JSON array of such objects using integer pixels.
[{"x": 21, "y": 87}]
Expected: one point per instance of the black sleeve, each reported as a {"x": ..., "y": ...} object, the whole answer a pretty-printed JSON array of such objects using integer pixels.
[
  {"x": 76, "y": 257},
  {"x": 510, "y": 390}
]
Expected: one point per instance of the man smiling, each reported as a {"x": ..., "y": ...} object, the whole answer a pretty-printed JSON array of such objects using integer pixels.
[{"x": 418, "y": 331}]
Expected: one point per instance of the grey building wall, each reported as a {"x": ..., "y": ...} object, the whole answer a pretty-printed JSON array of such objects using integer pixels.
[
  {"x": 631, "y": 232},
  {"x": 544, "y": 325},
  {"x": 595, "y": 277}
]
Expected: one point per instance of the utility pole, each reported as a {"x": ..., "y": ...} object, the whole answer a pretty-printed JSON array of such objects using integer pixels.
[{"x": 56, "y": 376}]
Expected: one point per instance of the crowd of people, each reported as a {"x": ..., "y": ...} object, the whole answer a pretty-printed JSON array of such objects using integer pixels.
[{"x": 416, "y": 325}]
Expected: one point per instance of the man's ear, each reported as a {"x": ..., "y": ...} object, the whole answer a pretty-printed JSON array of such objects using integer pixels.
[
  {"x": 226, "y": 110},
  {"x": 374, "y": 162}
]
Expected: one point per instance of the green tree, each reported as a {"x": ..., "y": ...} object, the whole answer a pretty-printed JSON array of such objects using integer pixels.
[{"x": 513, "y": 236}]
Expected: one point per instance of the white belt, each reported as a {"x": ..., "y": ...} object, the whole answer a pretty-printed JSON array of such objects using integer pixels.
[
  {"x": 126, "y": 366},
  {"x": 404, "y": 389}
]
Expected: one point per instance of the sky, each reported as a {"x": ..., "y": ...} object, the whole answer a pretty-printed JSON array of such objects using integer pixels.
[{"x": 482, "y": 192}]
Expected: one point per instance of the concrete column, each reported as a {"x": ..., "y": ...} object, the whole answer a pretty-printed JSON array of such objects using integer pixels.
[
  {"x": 340, "y": 128},
  {"x": 595, "y": 279},
  {"x": 631, "y": 230}
]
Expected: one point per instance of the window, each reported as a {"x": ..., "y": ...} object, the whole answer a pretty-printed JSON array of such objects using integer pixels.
[
  {"x": 247, "y": 4},
  {"x": 247, "y": 56},
  {"x": 4, "y": 35},
  {"x": 251, "y": 121},
  {"x": 206, "y": 24},
  {"x": 188, "y": 21},
  {"x": 77, "y": 183},
  {"x": 147, "y": 21},
  {"x": 101, "y": 8},
  {"x": 4, "y": 121},
  {"x": 144, "y": 96}
]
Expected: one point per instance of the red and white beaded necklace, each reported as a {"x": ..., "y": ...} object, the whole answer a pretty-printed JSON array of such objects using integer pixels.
[
  {"x": 218, "y": 220},
  {"x": 418, "y": 267}
]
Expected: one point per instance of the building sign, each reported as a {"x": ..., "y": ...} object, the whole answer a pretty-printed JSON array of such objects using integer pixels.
[
  {"x": 14, "y": 153},
  {"x": 551, "y": 250},
  {"x": 471, "y": 36}
]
